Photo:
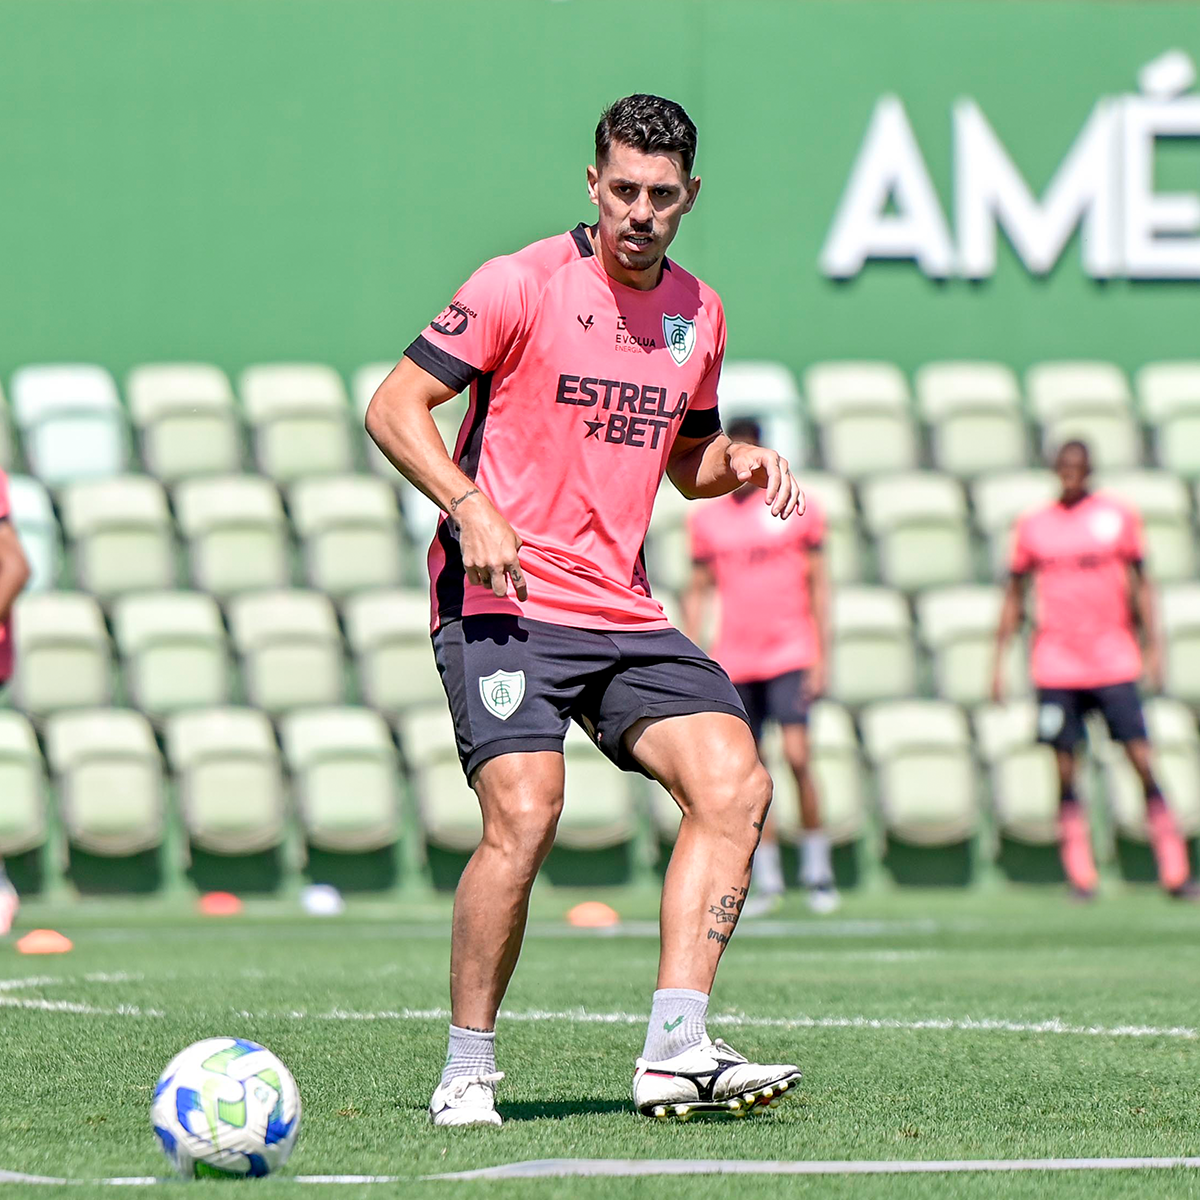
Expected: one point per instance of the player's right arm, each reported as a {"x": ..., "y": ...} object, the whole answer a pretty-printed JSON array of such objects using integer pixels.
[
  {"x": 399, "y": 420},
  {"x": 1010, "y": 621},
  {"x": 695, "y": 600},
  {"x": 470, "y": 337},
  {"x": 1020, "y": 563},
  {"x": 14, "y": 566}
]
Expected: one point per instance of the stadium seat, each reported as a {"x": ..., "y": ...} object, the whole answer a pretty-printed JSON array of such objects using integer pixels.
[
  {"x": 236, "y": 533},
  {"x": 349, "y": 526},
  {"x": 837, "y": 766},
  {"x": 872, "y": 655},
  {"x": 998, "y": 500},
  {"x": 843, "y": 547},
  {"x": 767, "y": 392},
  {"x": 958, "y": 625},
  {"x": 1180, "y": 604},
  {"x": 231, "y": 792},
  {"x": 187, "y": 420},
  {"x": 921, "y": 751},
  {"x": 1089, "y": 401},
  {"x": 1172, "y": 728},
  {"x": 420, "y": 513},
  {"x": 109, "y": 776},
  {"x": 388, "y": 632},
  {"x": 919, "y": 522},
  {"x": 23, "y": 786},
  {"x": 344, "y": 766},
  {"x": 864, "y": 414},
  {"x": 121, "y": 534},
  {"x": 172, "y": 646},
  {"x": 1164, "y": 505},
  {"x": 62, "y": 653},
  {"x": 300, "y": 418},
  {"x": 1022, "y": 773},
  {"x": 290, "y": 648},
  {"x": 71, "y": 421},
  {"x": 448, "y": 808},
  {"x": 36, "y": 526},
  {"x": 363, "y": 385},
  {"x": 1169, "y": 393},
  {"x": 973, "y": 410}
]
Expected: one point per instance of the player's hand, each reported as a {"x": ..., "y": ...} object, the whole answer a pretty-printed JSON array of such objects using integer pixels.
[
  {"x": 763, "y": 467},
  {"x": 814, "y": 680},
  {"x": 489, "y": 547}
]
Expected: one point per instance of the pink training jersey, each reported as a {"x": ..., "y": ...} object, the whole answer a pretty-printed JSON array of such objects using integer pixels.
[
  {"x": 6, "y": 626},
  {"x": 579, "y": 386},
  {"x": 1079, "y": 556},
  {"x": 761, "y": 568}
]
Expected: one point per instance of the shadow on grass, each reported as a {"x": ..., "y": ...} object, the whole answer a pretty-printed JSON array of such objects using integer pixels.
[{"x": 556, "y": 1110}]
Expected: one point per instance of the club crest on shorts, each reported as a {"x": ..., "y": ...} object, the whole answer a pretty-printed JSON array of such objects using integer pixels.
[
  {"x": 502, "y": 692},
  {"x": 680, "y": 335}
]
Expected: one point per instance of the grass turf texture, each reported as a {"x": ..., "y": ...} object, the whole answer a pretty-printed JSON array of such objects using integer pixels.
[{"x": 76, "y": 1087}]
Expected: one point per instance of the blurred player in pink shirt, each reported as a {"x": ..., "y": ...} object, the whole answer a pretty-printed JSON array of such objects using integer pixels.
[
  {"x": 1085, "y": 555},
  {"x": 14, "y": 574},
  {"x": 772, "y": 593}
]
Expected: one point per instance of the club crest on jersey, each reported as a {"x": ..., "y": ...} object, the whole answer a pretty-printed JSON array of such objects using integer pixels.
[
  {"x": 502, "y": 692},
  {"x": 1106, "y": 525},
  {"x": 680, "y": 334}
]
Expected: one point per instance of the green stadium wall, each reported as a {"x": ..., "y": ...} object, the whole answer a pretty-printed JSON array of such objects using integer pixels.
[{"x": 246, "y": 180}]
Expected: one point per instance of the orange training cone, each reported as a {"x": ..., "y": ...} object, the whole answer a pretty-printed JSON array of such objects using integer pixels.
[
  {"x": 44, "y": 941},
  {"x": 592, "y": 914},
  {"x": 220, "y": 904}
]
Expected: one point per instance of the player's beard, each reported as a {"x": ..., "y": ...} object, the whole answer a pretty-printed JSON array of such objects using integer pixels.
[{"x": 641, "y": 261}]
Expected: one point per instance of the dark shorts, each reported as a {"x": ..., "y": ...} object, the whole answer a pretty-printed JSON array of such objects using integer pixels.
[
  {"x": 1061, "y": 712},
  {"x": 781, "y": 699},
  {"x": 515, "y": 685}
]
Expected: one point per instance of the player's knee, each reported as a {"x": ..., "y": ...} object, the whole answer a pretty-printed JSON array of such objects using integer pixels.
[
  {"x": 522, "y": 827},
  {"x": 736, "y": 801}
]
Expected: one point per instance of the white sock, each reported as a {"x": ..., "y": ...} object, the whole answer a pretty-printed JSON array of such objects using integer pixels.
[
  {"x": 816, "y": 867},
  {"x": 471, "y": 1052},
  {"x": 677, "y": 1023},
  {"x": 768, "y": 869}
]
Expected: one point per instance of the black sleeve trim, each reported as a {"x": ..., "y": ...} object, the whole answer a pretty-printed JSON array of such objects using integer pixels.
[
  {"x": 453, "y": 372},
  {"x": 703, "y": 422}
]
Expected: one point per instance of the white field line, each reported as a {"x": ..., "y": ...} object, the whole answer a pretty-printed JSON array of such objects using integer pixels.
[
  {"x": 1054, "y": 1025},
  {"x": 558, "y": 1168}
]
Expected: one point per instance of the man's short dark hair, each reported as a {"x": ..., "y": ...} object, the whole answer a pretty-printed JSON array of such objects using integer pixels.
[
  {"x": 649, "y": 124},
  {"x": 1078, "y": 447},
  {"x": 744, "y": 429}
]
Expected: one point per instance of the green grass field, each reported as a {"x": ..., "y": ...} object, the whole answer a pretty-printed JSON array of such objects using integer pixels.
[{"x": 1001, "y": 1030}]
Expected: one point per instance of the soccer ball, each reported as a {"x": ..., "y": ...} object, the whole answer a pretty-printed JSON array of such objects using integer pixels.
[{"x": 226, "y": 1107}]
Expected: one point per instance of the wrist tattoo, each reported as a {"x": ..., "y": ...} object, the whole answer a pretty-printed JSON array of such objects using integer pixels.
[{"x": 457, "y": 500}]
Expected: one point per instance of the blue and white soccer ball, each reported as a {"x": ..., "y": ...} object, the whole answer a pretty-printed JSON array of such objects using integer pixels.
[{"x": 227, "y": 1107}]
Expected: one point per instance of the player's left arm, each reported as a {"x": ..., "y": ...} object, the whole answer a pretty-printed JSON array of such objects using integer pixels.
[
  {"x": 1145, "y": 614},
  {"x": 713, "y": 465}
]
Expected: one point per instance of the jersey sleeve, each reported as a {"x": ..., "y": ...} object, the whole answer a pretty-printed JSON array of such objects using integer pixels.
[
  {"x": 475, "y": 331},
  {"x": 1132, "y": 546},
  {"x": 5, "y": 503},
  {"x": 702, "y": 549},
  {"x": 702, "y": 418},
  {"x": 1021, "y": 558}
]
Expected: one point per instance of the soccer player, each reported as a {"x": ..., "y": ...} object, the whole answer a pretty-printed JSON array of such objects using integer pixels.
[
  {"x": 14, "y": 575},
  {"x": 592, "y": 361},
  {"x": 772, "y": 591},
  {"x": 1085, "y": 555}
]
